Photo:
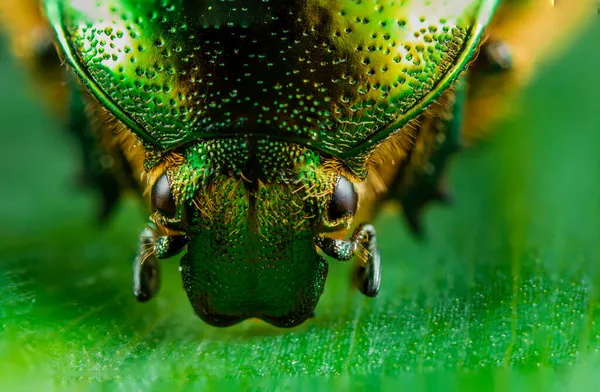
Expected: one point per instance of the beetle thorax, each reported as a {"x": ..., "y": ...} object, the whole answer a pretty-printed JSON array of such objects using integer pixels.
[{"x": 327, "y": 72}]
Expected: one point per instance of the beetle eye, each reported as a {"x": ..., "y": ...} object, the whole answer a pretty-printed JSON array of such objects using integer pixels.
[
  {"x": 344, "y": 200},
  {"x": 162, "y": 198}
]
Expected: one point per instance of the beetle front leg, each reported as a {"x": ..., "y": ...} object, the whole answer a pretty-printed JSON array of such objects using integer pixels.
[
  {"x": 151, "y": 248},
  {"x": 364, "y": 242}
]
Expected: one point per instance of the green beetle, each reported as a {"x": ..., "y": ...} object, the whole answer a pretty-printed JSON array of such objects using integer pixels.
[
  {"x": 253, "y": 121},
  {"x": 265, "y": 133}
]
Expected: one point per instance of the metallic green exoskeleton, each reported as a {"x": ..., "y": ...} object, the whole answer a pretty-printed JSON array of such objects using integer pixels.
[{"x": 256, "y": 126}]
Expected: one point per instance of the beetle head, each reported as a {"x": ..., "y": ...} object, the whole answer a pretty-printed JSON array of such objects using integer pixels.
[{"x": 252, "y": 221}]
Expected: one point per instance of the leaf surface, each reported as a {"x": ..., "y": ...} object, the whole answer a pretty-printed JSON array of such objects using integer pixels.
[{"x": 507, "y": 278}]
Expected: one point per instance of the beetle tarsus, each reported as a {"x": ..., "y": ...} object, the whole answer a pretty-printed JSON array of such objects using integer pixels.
[
  {"x": 146, "y": 270},
  {"x": 367, "y": 275},
  {"x": 146, "y": 278}
]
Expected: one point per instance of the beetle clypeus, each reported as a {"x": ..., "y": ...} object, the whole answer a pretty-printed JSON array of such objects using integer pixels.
[{"x": 265, "y": 133}]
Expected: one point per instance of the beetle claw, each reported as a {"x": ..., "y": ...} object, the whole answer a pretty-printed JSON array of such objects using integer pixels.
[
  {"x": 146, "y": 270},
  {"x": 146, "y": 278},
  {"x": 367, "y": 275}
]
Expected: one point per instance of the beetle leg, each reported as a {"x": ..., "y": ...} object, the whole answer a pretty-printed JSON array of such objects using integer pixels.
[
  {"x": 168, "y": 246},
  {"x": 363, "y": 242},
  {"x": 99, "y": 166},
  {"x": 419, "y": 182},
  {"x": 368, "y": 275},
  {"x": 146, "y": 270}
]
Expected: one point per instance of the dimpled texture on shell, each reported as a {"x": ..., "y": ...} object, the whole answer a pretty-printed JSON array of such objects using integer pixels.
[{"x": 331, "y": 74}]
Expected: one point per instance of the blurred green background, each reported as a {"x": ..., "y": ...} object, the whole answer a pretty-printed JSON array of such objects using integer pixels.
[{"x": 504, "y": 289}]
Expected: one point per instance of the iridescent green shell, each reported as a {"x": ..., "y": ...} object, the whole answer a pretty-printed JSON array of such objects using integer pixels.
[{"x": 337, "y": 75}]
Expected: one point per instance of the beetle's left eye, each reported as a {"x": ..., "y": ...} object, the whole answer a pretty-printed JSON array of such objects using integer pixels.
[
  {"x": 344, "y": 201},
  {"x": 162, "y": 197}
]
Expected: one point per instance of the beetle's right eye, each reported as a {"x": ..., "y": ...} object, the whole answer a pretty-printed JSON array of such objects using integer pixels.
[
  {"x": 344, "y": 200},
  {"x": 162, "y": 197}
]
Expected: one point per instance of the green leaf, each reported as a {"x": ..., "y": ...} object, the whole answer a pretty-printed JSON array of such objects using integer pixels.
[{"x": 503, "y": 291}]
